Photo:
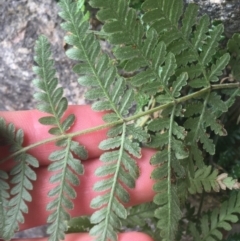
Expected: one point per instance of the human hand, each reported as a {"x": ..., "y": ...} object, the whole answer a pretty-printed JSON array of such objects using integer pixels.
[{"x": 85, "y": 118}]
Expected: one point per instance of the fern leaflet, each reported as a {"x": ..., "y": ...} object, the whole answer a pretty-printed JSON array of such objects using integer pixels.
[
  {"x": 64, "y": 165},
  {"x": 167, "y": 160},
  {"x": 204, "y": 179},
  {"x": 127, "y": 34},
  {"x": 121, "y": 171},
  {"x": 21, "y": 176},
  {"x": 218, "y": 219}
]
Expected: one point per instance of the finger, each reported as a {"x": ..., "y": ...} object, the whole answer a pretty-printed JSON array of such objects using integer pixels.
[
  {"x": 37, "y": 208},
  {"x": 34, "y": 131},
  {"x": 130, "y": 236}
]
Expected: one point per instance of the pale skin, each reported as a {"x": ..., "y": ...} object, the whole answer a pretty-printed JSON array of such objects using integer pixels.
[{"x": 85, "y": 118}]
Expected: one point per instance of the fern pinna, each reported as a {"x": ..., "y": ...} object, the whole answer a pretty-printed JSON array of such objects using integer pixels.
[
  {"x": 64, "y": 165},
  {"x": 21, "y": 175},
  {"x": 159, "y": 91}
]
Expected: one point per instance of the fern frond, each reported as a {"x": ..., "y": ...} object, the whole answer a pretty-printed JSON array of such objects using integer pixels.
[
  {"x": 95, "y": 70},
  {"x": 200, "y": 116},
  {"x": 157, "y": 12},
  {"x": 22, "y": 175},
  {"x": 50, "y": 97},
  {"x": 65, "y": 166},
  {"x": 167, "y": 160},
  {"x": 120, "y": 172},
  {"x": 170, "y": 140},
  {"x": 131, "y": 48},
  {"x": 220, "y": 218},
  {"x": 204, "y": 179},
  {"x": 224, "y": 182},
  {"x": 194, "y": 48}
]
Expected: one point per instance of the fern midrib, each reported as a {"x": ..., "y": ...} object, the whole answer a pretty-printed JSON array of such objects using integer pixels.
[
  {"x": 223, "y": 218},
  {"x": 48, "y": 93},
  {"x": 114, "y": 107},
  {"x": 59, "y": 206},
  {"x": 200, "y": 121},
  {"x": 125, "y": 120},
  {"x": 201, "y": 117},
  {"x": 169, "y": 183},
  {"x": 115, "y": 180},
  {"x": 189, "y": 44},
  {"x": 141, "y": 54}
]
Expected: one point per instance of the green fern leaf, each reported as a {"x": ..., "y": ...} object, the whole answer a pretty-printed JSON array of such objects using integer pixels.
[
  {"x": 203, "y": 115},
  {"x": 204, "y": 179},
  {"x": 216, "y": 69},
  {"x": 209, "y": 49},
  {"x": 218, "y": 219},
  {"x": 133, "y": 49},
  {"x": 156, "y": 12},
  {"x": 50, "y": 98},
  {"x": 166, "y": 160},
  {"x": 21, "y": 177},
  {"x": 120, "y": 169},
  {"x": 193, "y": 51},
  {"x": 63, "y": 164},
  {"x": 96, "y": 70},
  {"x": 66, "y": 168}
]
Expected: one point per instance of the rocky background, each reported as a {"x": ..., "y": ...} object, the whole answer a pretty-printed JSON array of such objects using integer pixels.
[{"x": 22, "y": 21}]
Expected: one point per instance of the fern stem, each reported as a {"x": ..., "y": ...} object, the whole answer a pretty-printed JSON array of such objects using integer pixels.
[
  {"x": 201, "y": 117},
  {"x": 226, "y": 86},
  {"x": 169, "y": 183},
  {"x": 128, "y": 119},
  {"x": 201, "y": 204}
]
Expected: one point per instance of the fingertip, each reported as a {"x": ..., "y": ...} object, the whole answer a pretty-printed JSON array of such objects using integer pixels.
[
  {"x": 128, "y": 236},
  {"x": 134, "y": 236}
]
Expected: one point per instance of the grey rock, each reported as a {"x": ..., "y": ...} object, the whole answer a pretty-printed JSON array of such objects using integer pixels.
[
  {"x": 228, "y": 11},
  {"x": 21, "y": 22}
]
